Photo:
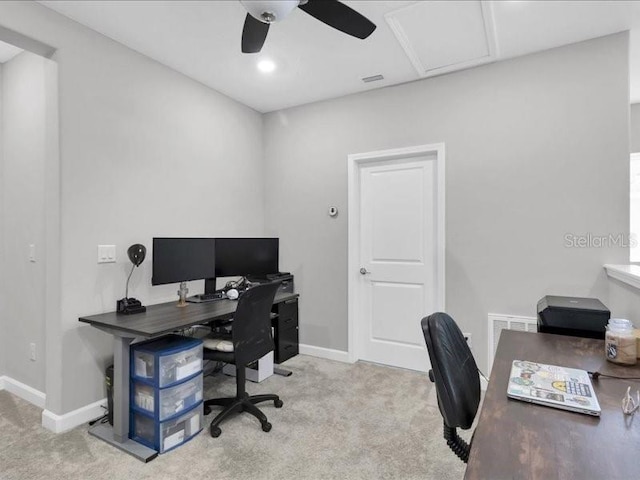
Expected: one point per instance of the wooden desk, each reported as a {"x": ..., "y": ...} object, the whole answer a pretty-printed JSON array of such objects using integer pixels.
[
  {"x": 517, "y": 440},
  {"x": 158, "y": 320}
]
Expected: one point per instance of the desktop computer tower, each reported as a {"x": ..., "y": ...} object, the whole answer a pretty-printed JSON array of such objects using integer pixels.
[
  {"x": 579, "y": 317},
  {"x": 285, "y": 321},
  {"x": 108, "y": 379}
]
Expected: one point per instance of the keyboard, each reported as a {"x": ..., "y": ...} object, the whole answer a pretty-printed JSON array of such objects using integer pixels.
[
  {"x": 206, "y": 297},
  {"x": 574, "y": 388}
]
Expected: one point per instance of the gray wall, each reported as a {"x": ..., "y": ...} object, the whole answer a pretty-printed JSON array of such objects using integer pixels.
[
  {"x": 635, "y": 127},
  {"x": 625, "y": 298},
  {"x": 23, "y": 133},
  {"x": 527, "y": 161},
  {"x": 144, "y": 152}
]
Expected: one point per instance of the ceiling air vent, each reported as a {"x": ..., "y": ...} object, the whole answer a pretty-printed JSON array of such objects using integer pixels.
[{"x": 373, "y": 78}]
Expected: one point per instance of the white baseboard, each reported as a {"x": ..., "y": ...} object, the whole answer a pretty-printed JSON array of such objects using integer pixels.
[
  {"x": 25, "y": 392},
  {"x": 51, "y": 421},
  {"x": 68, "y": 421},
  {"x": 341, "y": 356},
  {"x": 321, "y": 352}
]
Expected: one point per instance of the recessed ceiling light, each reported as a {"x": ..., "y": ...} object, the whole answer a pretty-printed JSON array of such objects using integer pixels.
[{"x": 266, "y": 66}]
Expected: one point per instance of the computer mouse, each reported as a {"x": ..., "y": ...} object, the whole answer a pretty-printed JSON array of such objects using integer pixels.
[{"x": 232, "y": 294}]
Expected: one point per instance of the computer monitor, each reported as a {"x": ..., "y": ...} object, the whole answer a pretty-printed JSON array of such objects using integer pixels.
[
  {"x": 246, "y": 256},
  {"x": 178, "y": 260}
]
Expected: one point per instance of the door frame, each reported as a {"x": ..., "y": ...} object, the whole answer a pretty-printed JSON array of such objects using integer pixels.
[{"x": 355, "y": 162}]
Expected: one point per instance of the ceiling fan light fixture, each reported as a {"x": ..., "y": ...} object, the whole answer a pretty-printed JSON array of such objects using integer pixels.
[{"x": 269, "y": 11}]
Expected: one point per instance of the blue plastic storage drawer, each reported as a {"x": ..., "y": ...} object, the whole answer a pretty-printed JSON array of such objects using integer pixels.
[
  {"x": 164, "y": 436},
  {"x": 167, "y": 360},
  {"x": 164, "y": 403}
]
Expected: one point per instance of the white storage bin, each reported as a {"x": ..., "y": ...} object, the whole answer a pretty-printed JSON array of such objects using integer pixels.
[
  {"x": 179, "y": 366},
  {"x": 166, "y": 435},
  {"x": 167, "y": 360},
  {"x": 171, "y": 401}
]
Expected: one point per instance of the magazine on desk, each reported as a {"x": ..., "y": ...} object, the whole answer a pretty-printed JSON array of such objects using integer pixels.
[{"x": 553, "y": 386}]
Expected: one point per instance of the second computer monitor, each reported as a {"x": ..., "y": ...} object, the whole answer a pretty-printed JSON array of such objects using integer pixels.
[{"x": 236, "y": 257}]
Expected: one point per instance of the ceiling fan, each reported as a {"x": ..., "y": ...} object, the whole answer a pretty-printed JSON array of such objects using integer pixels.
[{"x": 262, "y": 13}]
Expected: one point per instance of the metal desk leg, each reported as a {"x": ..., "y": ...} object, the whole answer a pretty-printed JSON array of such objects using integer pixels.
[
  {"x": 121, "y": 389},
  {"x": 118, "y": 435}
]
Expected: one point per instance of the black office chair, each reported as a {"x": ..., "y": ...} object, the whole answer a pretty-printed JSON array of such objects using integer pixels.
[
  {"x": 252, "y": 339},
  {"x": 455, "y": 373}
]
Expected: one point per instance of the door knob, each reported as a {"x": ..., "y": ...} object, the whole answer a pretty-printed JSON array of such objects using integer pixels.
[{"x": 364, "y": 271}]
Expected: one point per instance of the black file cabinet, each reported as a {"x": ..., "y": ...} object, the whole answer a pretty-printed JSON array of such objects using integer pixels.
[{"x": 285, "y": 330}]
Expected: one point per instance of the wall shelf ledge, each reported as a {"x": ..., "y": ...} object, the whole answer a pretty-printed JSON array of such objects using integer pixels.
[{"x": 629, "y": 274}]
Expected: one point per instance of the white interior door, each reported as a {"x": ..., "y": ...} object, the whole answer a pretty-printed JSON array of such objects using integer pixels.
[{"x": 399, "y": 272}]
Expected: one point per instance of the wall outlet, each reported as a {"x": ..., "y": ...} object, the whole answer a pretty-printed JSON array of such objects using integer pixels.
[
  {"x": 106, "y": 254},
  {"x": 467, "y": 337},
  {"x": 32, "y": 355}
]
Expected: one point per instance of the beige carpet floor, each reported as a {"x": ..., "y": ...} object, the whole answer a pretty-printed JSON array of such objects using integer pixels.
[{"x": 339, "y": 421}]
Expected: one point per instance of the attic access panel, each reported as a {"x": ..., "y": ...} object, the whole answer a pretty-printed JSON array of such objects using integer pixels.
[{"x": 440, "y": 37}]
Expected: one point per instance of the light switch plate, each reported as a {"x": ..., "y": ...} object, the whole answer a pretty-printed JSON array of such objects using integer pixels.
[{"x": 106, "y": 253}]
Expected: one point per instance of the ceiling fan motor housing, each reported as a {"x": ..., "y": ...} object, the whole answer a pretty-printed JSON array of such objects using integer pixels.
[
  {"x": 334, "y": 13},
  {"x": 269, "y": 11}
]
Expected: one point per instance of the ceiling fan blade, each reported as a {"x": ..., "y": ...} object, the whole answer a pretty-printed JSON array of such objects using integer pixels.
[
  {"x": 337, "y": 15},
  {"x": 254, "y": 33}
]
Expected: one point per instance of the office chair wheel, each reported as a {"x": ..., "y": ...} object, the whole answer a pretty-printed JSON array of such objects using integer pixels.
[
  {"x": 278, "y": 403},
  {"x": 215, "y": 431},
  {"x": 266, "y": 427}
]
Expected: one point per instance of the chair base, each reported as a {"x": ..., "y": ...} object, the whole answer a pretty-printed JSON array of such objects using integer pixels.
[{"x": 241, "y": 404}]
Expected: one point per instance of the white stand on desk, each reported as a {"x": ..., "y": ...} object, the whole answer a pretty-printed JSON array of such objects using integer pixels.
[{"x": 118, "y": 435}]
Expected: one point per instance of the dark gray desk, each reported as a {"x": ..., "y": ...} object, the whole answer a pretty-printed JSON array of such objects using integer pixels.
[
  {"x": 158, "y": 320},
  {"x": 517, "y": 440}
]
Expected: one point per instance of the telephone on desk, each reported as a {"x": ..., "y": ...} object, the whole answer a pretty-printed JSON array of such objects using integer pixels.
[{"x": 129, "y": 306}]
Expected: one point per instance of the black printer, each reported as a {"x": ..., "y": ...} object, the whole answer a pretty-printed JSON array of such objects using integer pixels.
[{"x": 576, "y": 316}]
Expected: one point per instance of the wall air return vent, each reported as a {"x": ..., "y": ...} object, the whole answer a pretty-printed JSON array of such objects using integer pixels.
[{"x": 497, "y": 323}]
